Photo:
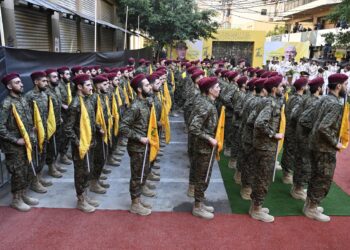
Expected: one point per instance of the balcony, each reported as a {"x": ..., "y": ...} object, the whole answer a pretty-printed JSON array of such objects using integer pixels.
[{"x": 304, "y": 7}]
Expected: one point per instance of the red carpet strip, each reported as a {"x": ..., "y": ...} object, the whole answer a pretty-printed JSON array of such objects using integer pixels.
[{"x": 44, "y": 228}]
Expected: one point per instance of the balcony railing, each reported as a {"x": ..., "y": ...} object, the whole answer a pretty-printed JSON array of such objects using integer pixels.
[{"x": 288, "y": 5}]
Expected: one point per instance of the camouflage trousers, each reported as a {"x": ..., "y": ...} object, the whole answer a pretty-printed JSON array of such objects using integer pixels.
[
  {"x": 190, "y": 151},
  {"x": 136, "y": 161},
  {"x": 263, "y": 170},
  {"x": 81, "y": 169},
  {"x": 302, "y": 168},
  {"x": 100, "y": 156},
  {"x": 246, "y": 163},
  {"x": 63, "y": 140},
  {"x": 228, "y": 132},
  {"x": 39, "y": 160},
  {"x": 18, "y": 166},
  {"x": 201, "y": 163},
  {"x": 235, "y": 141},
  {"x": 322, "y": 171},
  {"x": 51, "y": 155},
  {"x": 288, "y": 160},
  {"x": 178, "y": 96}
]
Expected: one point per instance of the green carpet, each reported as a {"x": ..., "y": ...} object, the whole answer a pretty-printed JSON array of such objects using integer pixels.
[{"x": 278, "y": 200}]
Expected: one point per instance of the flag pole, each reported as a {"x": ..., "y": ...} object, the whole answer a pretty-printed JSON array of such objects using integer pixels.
[
  {"x": 144, "y": 163},
  {"x": 95, "y": 39},
  {"x": 88, "y": 161},
  {"x": 210, "y": 163},
  {"x": 126, "y": 26}
]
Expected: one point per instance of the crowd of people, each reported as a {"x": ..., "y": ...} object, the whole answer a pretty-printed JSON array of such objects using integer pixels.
[{"x": 91, "y": 115}]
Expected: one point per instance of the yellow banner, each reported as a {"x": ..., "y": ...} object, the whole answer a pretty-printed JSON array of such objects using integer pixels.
[
  {"x": 220, "y": 131},
  {"x": 51, "y": 120},
  {"x": 85, "y": 130},
  {"x": 152, "y": 135}
]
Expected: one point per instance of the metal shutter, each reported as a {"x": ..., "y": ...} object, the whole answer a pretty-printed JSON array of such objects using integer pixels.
[
  {"x": 32, "y": 29},
  {"x": 68, "y": 4},
  {"x": 106, "y": 42},
  {"x": 87, "y": 37},
  {"x": 106, "y": 11},
  {"x": 68, "y": 35},
  {"x": 87, "y": 7}
]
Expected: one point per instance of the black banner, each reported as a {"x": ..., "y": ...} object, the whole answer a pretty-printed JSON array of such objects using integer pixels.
[{"x": 25, "y": 61}]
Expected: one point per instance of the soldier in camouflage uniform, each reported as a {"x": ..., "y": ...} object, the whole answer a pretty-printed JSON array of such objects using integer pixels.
[
  {"x": 246, "y": 134},
  {"x": 324, "y": 144},
  {"x": 54, "y": 93},
  {"x": 142, "y": 69},
  {"x": 101, "y": 148},
  {"x": 189, "y": 105},
  {"x": 237, "y": 101},
  {"x": 181, "y": 77},
  {"x": 302, "y": 168},
  {"x": 39, "y": 96},
  {"x": 72, "y": 130},
  {"x": 202, "y": 128},
  {"x": 134, "y": 126},
  {"x": 265, "y": 140},
  {"x": 14, "y": 144},
  {"x": 64, "y": 87}
]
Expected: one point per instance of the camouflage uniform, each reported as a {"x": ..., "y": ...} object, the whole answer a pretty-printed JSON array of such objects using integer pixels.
[
  {"x": 202, "y": 127},
  {"x": 289, "y": 145},
  {"x": 302, "y": 168},
  {"x": 72, "y": 131},
  {"x": 134, "y": 125},
  {"x": 171, "y": 89},
  {"x": 41, "y": 99},
  {"x": 178, "y": 94},
  {"x": 16, "y": 157},
  {"x": 56, "y": 98},
  {"x": 141, "y": 70},
  {"x": 191, "y": 93},
  {"x": 265, "y": 145},
  {"x": 323, "y": 141}
]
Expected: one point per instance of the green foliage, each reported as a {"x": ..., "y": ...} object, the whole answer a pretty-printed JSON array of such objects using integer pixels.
[
  {"x": 168, "y": 21},
  {"x": 277, "y": 30},
  {"x": 339, "y": 40},
  {"x": 340, "y": 12},
  {"x": 329, "y": 37}
]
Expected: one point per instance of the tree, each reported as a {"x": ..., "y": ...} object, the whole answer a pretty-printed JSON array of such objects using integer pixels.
[
  {"x": 168, "y": 21},
  {"x": 340, "y": 12},
  {"x": 277, "y": 30}
]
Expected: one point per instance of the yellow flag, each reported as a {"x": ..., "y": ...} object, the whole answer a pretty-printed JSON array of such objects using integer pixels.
[
  {"x": 115, "y": 114},
  {"x": 167, "y": 97},
  {"x": 344, "y": 129},
  {"x": 282, "y": 128},
  {"x": 100, "y": 120},
  {"x": 119, "y": 100},
  {"x": 127, "y": 101},
  {"x": 38, "y": 124},
  {"x": 152, "y": 135},
  {"x": 131, "y": 92},
  {"x": 220, "y": 131},
  {"x": 69, "y": 94},
  {"x": 85, "y": 130},
  {"x": 286, "y": 95},
  {"x": 205, "y": 72},
  {"x": 51, "y": 120},
  {"x": 172, "y": 80},
  {"x": 164, "y": 119},
  {"x": 150, "y": 69},
  {"x": 183, "y": 75},
  {"x": 23, "y": 133},
  {"x": 110, "y": 120}
]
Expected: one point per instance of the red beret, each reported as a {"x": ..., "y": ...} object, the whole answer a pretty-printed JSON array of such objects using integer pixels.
[
  {"x": 161, "y": 68},
  {"x": 215, "y": 62},
  {"x": 153, "y": 77},
  {"x": 62, "y": 69},
  {"x": 76, "y": 69},
  {"x": 223, "y": 72},
  {"x": 273, "y": 73},
  {"x": 111, "y": 76},
  {"x": 131, "y": 68},
  {"x": 250, "y": 69},
  {"x": 5, "y": 80},
  {"x": 167, "y": 62},
  {"x": 176, "y": 61},
  {"x": 241, "y": 60},
  {"x": 301, "y": 82},
  {"x": 49, "y": 71},
  {"x": 81, "y": 79},
  {"x": 192, "y": 69},
  {"x": 114, "y": 70},
  {"x": 207, "y": 82},
  {"x": 147, "y": 62},
  {"x": 337, "y": 78},
  {"x": 227, "y": 74},
  {"x": 107, "y": 70},
  {"x": 131, "y": 60},
  {"x": 99, "y": 79},
  {"x": 221, "y": 64},
  {"x": 251, "y": 82},
  {"x": 232, "y": 75},
  {"x": 123, "y": 69},
  {"x": 218, "y": 71},
  {"x": 86, "y": 68},
  {"x": 196, "y": 74},
  {"x": 273, "y": 82},
  {"x": 188, "y": 65},
  {"x": 318, "y": 81},
  {"x": 242, "y": 80},
  {"x": 260, "y": 82},
  {"x": 265, "y": 74},
  {"x": 260, "y": 72},
  {"x": 161, "y": 72},
  {"x": 141, "y": 61},
  {"x": 96, "y": 67},
  {"x": 37, "y": 74},
  {"x": 137, "y": 79}
]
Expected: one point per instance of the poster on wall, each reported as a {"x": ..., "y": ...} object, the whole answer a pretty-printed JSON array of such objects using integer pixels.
[
  {"x": 188, "y": 50},
  {"x": 288, "y": 50}
]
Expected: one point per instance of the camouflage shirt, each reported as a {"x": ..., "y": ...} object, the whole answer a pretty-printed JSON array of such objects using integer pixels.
[
  {"x": 294, "y": 102},
  {"x": 9, "y": 131},
  {"x": 141, "y": 70},
  {"x": 238, "y": 102},
  {"x": 325, "y": 132},
  {"x": 267, "y": 125},
  {"x": 246, "y": 130},
  {"x": 56, "y": 98},
  {"x": 42, "y": 101},
  {"x": 63, "y": 89},
  {"x": 157, "y": 105},
  {"x": 203, "y": 123},
  {"x": 134, "y": 124}
]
